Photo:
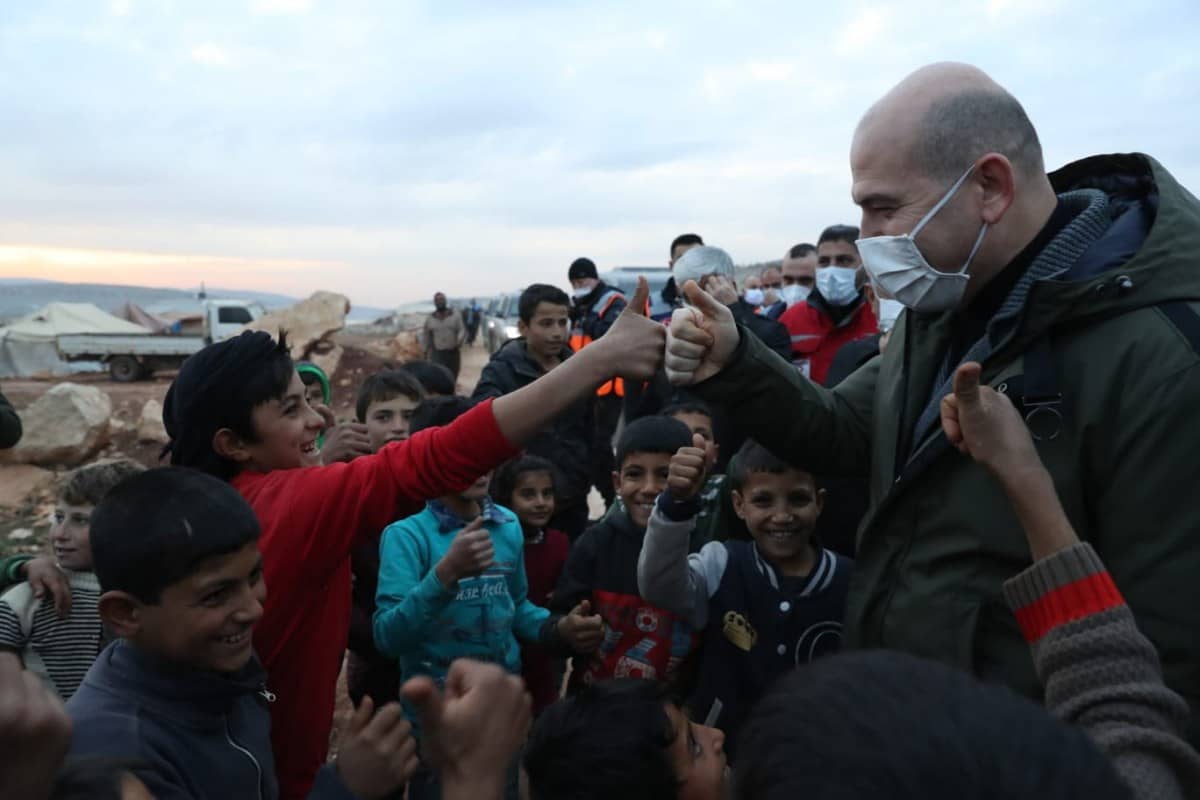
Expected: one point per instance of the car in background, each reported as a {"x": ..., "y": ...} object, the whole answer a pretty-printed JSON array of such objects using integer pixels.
[
  {"x": 501, "y": 322},
  {"x": 624, "y": 279}
]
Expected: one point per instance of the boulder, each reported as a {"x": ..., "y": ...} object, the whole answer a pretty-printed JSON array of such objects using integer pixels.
[
  {"x": 406, "y": 346},
  {"x": 327, "y": 358},
  {"x": 150, "y": 426},
  {"x": 64, "y": 427},
  {"x": 18, "y": 482},
  {"x": 307, "y": 322}
]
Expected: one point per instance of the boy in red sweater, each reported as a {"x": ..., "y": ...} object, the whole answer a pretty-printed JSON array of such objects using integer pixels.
[{"x": 237, "y": 410}]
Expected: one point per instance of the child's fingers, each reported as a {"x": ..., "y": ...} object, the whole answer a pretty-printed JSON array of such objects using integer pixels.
[
  {"x": 383, "y": 722},
  {"x": 698, "y": 442},
  {"x": 950, "y": 423},
  {"x": 966, "y": 382},
  {"x": 361, "y": 715}
]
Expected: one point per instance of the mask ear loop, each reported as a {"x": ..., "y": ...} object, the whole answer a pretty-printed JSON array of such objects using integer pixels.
[{"x": 946, "y": 198}]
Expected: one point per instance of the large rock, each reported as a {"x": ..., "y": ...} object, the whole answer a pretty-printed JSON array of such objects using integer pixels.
[
  {"x": 307, "y": 322},
  {"x": 64, "y": 427},
  {"x": 327, "y": 356},
  {"x": 150, "y": 426},
  {"x": 18, "y": 482},
  {"x": 406, "y": 346}
]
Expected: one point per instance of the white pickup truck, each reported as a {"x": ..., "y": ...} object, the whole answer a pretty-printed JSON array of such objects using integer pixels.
[{"x": 131, "y": 357}]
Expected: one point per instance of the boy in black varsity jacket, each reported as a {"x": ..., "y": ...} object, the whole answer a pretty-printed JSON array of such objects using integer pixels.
[
  {"x": 641, "y": 639},
  {"x": 766, "y": 606}
]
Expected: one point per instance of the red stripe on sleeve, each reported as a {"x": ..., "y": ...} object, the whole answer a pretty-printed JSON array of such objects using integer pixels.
[{"x": 1068, "y": 603}]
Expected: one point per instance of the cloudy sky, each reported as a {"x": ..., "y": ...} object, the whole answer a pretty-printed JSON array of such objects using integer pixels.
[{"x": 389, "y": 149}]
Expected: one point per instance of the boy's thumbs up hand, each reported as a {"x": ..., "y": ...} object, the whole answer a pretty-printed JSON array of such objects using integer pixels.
[
  {"x": 685, "y": 476},
  {"x": 701, "y": 338},
  {"x": 582, "y": 629},
  {"x": 377, "y": 752},
  {"x": 633, "y": 346},
  {"x": 469, "y": 555},
  {"x": 983, "y": 424}
]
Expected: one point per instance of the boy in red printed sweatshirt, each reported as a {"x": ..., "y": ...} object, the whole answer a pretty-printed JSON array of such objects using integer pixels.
[{"x": 237, "y": 410}]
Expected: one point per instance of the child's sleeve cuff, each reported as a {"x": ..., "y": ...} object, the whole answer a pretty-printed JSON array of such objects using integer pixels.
[{"x": 1062, "y": 588}]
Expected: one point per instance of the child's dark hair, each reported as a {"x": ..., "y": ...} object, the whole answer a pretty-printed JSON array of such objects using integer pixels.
[
  {"x": 154, "y": 528},
  {"x": 384, "y": 386},
  {"x": 612, "y": 739},
  {"x": 219, "y": 387},
  {"x": 434, "y": 378},
  {"x": 687, "y": 404},
  {"x": 540, "y": 293},
  {"x": 93, "y": 778},
  {"x": 87, "y": 485},
  {"x": 753, "y": 457},
  {"x": 656, "y": 434},
  {"x": 505, "y": 481},
  {"x": 887, "y": 724},
  {"x": 437, "y": 411}
]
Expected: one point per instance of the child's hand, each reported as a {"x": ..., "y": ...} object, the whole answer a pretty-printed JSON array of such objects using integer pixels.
[
  {"x": 377, "y": 753},
  {"x": 634, "y": 344},
  {"x": 983, "y": 424},
  {"x": 345, "y": 442},
  {"x": 686, "y": 475},
  {"x": 45, "y": 577},
  {"x": 35, "y": 731},
  {"x": 469, "y": 555},
  {"x": 471, "y": 732},
  {"x": 582, "y": 629}
]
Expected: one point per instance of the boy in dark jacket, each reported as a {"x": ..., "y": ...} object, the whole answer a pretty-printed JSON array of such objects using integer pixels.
[
  {"x": 182, "y": 693},
  {"x": 767, "y": 606},
  {"x": 569, "y": 443},
  {"x": 641, "y": 639},
  {"x": 10, "y": 425},
  {"x": 237, "y": 411}
]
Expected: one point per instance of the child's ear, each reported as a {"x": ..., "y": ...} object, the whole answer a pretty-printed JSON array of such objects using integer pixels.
[
  {"x": 522, "y": 327},
  {"x": 616, "y": 481},
  {"x": 121, "y": 611},
  {"x": 228, "y": 444},
  {"x": 820, "y": 501},
  {"x": 739, "y": 503}
]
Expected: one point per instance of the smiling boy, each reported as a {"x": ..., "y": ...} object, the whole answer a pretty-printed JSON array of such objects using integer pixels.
[
  {"x": 642, "y": 639},
  {"x": 765, "y": 606},
  {"x": 570, "y": 442},
  {"x": 60, "y": 649},
  {"x": 237, "y": 411}
]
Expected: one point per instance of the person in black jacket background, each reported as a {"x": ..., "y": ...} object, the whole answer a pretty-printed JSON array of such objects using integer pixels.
[
  {"x": 10, "y": 425},
  {"x": 570, "y": 442}
]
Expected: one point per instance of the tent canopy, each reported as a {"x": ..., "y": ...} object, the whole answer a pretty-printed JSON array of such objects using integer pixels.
[{"x": 28, "y": 346}]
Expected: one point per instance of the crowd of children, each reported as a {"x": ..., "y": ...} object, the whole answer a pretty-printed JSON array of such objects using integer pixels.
[{"x": 195, "y": 618}]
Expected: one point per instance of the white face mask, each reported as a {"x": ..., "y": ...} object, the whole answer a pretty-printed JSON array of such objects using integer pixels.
[
  {"x": 794, "y": 293},
  {"x": 581, "y": 292},
  {"x": 897, "y": 267},
  {"x": 836, "y": 284},
  {"x": 889, "y": 312},
  {"x": 754, "y": 297}
]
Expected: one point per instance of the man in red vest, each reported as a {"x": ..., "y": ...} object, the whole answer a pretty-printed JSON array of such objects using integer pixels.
[{"x": 837, "y": 310}]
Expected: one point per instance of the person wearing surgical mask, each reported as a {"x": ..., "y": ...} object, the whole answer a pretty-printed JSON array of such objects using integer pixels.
[
  {"x": 834, "y": 310},
  {"x": 799, "y": 273},
  {"x": 1074, "y": 296}
]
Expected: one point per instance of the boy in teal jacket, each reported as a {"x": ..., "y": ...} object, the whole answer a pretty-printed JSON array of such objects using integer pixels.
[{"x": 452, "y": 585}]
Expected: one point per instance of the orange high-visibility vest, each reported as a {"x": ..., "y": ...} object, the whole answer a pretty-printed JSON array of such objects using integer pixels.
[{"x": 580, "y": 339}]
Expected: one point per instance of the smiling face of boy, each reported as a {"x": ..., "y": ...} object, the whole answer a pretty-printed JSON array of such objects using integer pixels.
[
  {"x": 641, "y": 479},
  {"x": 286, "y": 427},
  {"x": 205, "y": 620},
  {"x": 69, "y": 536},
  {"x": 780, "y": 511}
]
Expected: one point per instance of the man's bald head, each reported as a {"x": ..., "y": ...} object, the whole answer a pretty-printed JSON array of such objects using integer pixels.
[{"x": 946, "y": 116}]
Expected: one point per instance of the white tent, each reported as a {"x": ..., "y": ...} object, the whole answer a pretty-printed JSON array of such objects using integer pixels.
[{"x": 28, "y": 346}]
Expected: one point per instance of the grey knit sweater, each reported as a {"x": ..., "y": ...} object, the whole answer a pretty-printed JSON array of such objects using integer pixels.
[{"x": 1101, "y": 674}]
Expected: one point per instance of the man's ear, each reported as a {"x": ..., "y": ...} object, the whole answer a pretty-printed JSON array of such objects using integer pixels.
[
  {"x": 739, "y": 503},
  {"x": 121, "y": 612},
  {"x": 998, "y": 178},
  {"x": 820, "y": 501},
  {"x": 228, "y": 444},
  {"x": 616, "y": 481}
]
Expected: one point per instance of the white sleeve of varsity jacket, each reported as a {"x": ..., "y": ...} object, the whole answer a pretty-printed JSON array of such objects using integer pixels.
[{"x": 673, "y": 580}]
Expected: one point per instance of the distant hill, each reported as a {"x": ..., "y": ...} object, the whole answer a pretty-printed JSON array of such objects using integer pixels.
[{"x": 21, "y": 296}]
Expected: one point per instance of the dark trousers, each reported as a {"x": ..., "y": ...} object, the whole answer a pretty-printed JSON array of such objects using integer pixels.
[
  {"x": 450, "y": 359},
  {"x": 608, "y": 417}
]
